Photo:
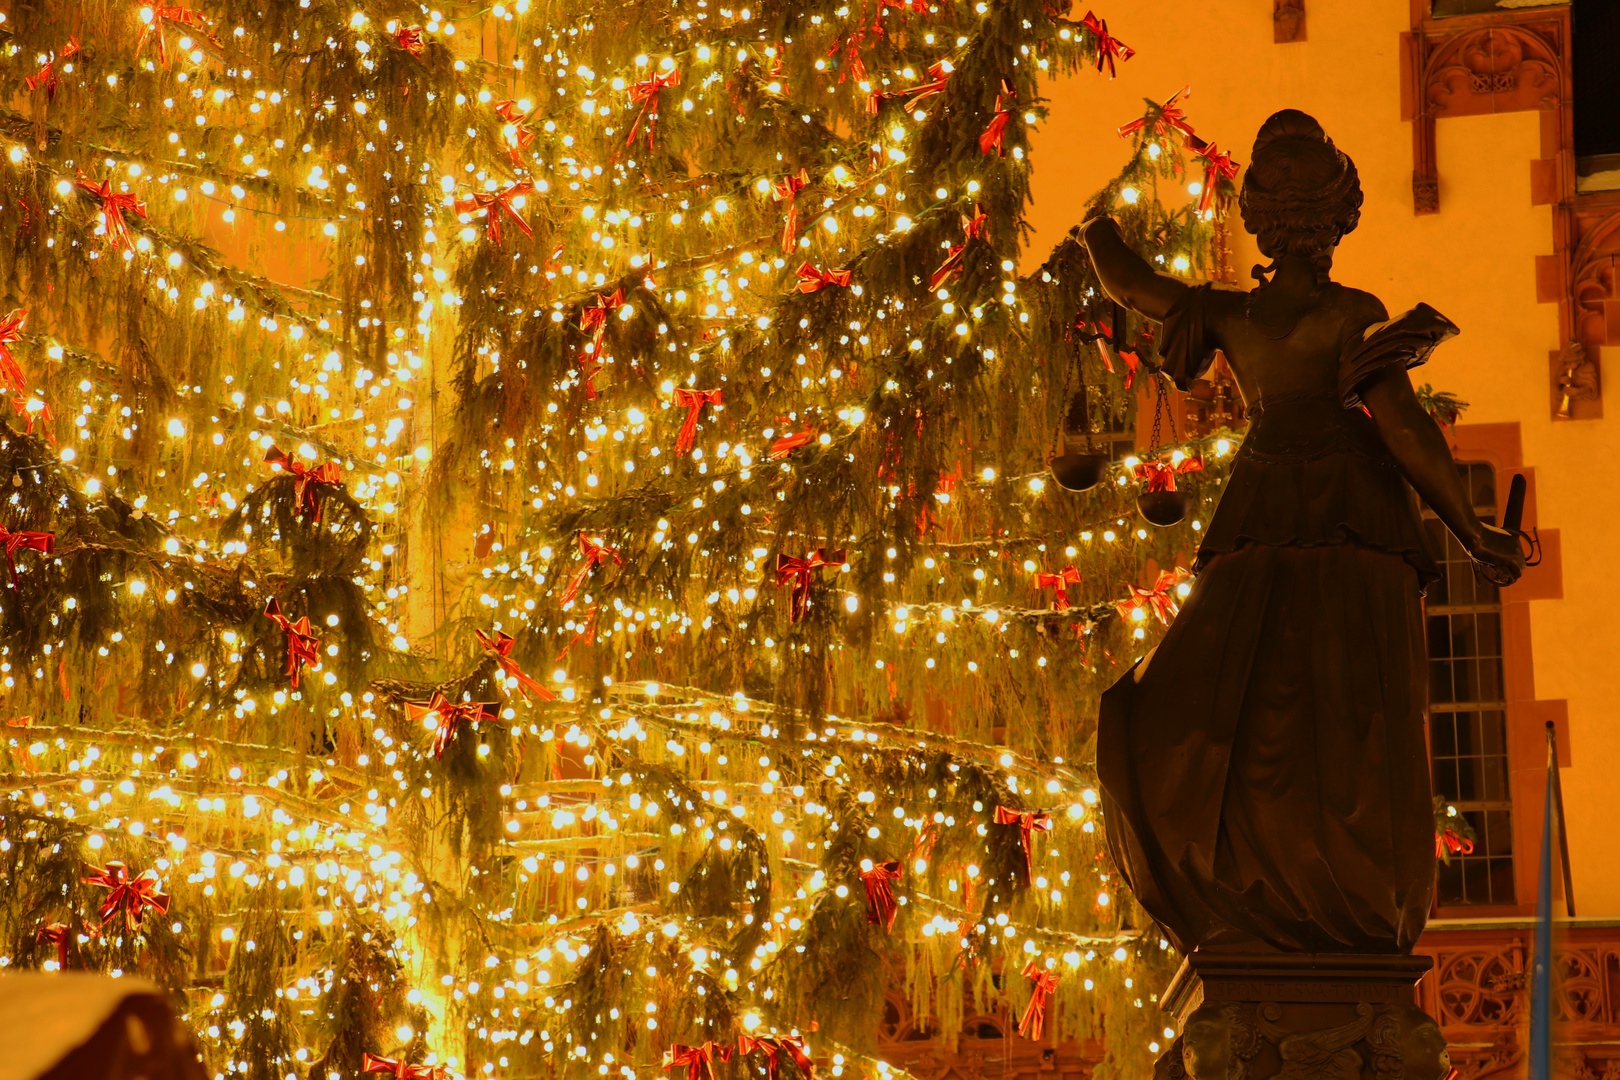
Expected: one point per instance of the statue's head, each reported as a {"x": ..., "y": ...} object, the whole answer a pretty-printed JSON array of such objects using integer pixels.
[
  {"x": 1407, "y": 1045},
  {"x": 1300, "y": 195}
]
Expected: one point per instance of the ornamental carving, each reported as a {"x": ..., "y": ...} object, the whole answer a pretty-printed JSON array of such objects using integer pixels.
[
  {"x": 1496, "y": 69},
  {"x": 1482, "y": 64}
]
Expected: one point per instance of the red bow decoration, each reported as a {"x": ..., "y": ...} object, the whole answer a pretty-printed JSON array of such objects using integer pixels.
[
  {"x": 301, "y": 639},
  {"x": 995, "y": 133},
  {"x": 799, "y": 573},
  {"x": 451, "y": 716},
  {"x": 647, "y": 92},
  {"x": 47, "y": 76},
  {"x": 114, "y": 204},
  {"x": 1061, "y": 580},
  {"x": 1161, "y": 475},
  {"x": 10, "y": 333},
  {"x": 1108, "y": 46},
  {"x": 42, "y": 542},
  {"x": 593, "y": 321},
  {"x": 20, "y": 406},
  {"x": 595, "y": 554},
  {"x": 937, "y": 78},
  {"x": 132, "y": 896},
  {"x": 307, "y": 481},
  {"x": 57, "y": 934},
  {"x": 784, "y": 446},
  {"x": 698, "y": 1060},
  {"x": 1035, "y": 1015},
  {"x": 1218, "y": 166},
  {"x": 401, "y": 1070},
  {"x": 811, "y": 279},
  {"x": 497, "y": 205},
  {"x": 972, "y": 229},
  {"x": 1446, "y": 840},
  {"x": 784, "y": 191},
  {"x": 773, "y": 1047},
  {"x": 500, "y": 646},
  {"x": 519, "y": 137},
  {"x": 1027, "y": 821},
  {"x": 409, "y": 39},
  {"x": 1161, "y": 599},
  {"x": 1165, "y": 119},
  {"x": 881, "y": 905},
  {"x": 692, "y": 401},
  {"x": 174, "y": 14}
]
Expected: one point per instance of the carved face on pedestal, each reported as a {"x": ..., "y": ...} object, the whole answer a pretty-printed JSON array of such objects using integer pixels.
[
  {"x": 1218, "y": 1043},
  {"x": 1407, "y": 1045}
]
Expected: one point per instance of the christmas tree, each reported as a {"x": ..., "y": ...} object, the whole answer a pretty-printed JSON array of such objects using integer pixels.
[{"x": 530, "y": 548}]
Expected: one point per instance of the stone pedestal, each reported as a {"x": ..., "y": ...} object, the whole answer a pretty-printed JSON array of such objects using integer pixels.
[{"x": 1307, "y": 1016}]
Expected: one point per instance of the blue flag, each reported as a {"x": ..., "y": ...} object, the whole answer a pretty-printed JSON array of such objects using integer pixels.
[{"x": 1541, "y": 954}]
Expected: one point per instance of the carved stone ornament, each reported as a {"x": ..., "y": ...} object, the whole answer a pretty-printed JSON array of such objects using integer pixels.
[
  {"x": 1272, "y": 1041},
  {"x": 1288, "y": 21},
  {"x": 1507, "y": 62},
  {"x": 1576, "y": 381}
]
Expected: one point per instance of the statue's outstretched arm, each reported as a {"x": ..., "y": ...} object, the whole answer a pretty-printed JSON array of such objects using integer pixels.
[
  {"x": 1126, "y": 277},
  {"x": 1421, "y": 451}
]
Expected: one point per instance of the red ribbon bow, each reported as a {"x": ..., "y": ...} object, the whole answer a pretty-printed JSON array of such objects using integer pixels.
[
  {"x": 409, "y": 39},
  {"x": 1446, "y": 840},
  {"x": 401, "y": 1070},
  {"x": 595, "y": 554},
  {"x": 1027, "y": 821},
  {"x": 811, "y": 279},
  {"x": 1108, "y": 46},
  {"x": 301, "y": 640},
  {"x": 451, "y": 716},
  {"x": 132, "y": 896},
  {"x": 114, "y": 204},
  {"x": 937, "y": 78},
  {"x": 1035, "y": 1014},
  {"x": 307, "y": 481},
  {"x": 42, "y": 542},
  {"x": 19, "y": 405},
  {"x": 648, "y": 92},
  {"x": 1166, "y": 118},
  {"x": 784, "y": 446},
  {"x": 1061, "y": 580},
  {"x": 1161, "y": 475},
  {"x": 593, "y": 321},
  {"x": 497, "y": 206},
  {"x": 57, "y": 934},
  {"x": 1161, "y": 599},
  {"x": 972, "y": 229},
  {"x": 995, "y": 133},
  {"x": 799, "y": 573},
  {"x": 784, "y": 191},
  {"x": 692, "y": 401},
  {"x": 1218, "y": 166},
  {"x": 174, "y": 14},
  {"x": 500, "y": 646},
  {"x": 10, "y": 333},
  {"x": 773, "y": 1047},
  {"x": 881, "y": 905},
  {"x": 519, "y": 138},
  {"x": 698, "y": 1060},
  {"x": 47, "y": 76}
]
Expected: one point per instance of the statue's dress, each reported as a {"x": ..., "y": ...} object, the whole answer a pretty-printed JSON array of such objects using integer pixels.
[{"x": 1265, "y": 778}]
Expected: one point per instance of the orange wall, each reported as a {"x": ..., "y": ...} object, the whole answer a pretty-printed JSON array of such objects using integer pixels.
[{"x": 1474, "y": 261}]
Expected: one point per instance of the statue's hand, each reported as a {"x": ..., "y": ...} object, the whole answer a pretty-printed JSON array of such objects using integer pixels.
[{"x": 1499, "y": 554}]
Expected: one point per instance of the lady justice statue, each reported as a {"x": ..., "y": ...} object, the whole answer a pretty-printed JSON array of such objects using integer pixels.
[{"x": 1265, "y": 773}]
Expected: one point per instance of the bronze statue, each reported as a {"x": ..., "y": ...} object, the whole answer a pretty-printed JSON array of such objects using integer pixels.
[{"x": 1265, "y": 773}]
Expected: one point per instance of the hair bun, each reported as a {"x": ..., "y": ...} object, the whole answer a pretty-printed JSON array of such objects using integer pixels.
[{"x": 1289, "y": 124}]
